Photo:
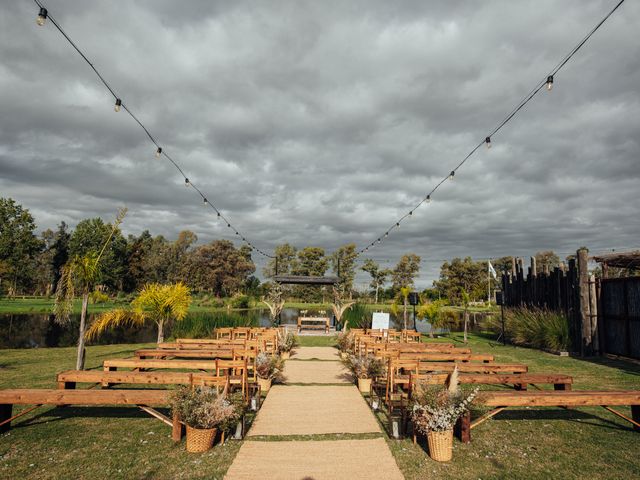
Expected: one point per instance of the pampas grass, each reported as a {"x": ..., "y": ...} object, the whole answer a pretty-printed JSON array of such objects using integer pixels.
[{"x": 535, "y": 327}]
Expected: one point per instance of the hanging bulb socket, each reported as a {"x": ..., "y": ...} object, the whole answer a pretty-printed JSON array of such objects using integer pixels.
[
  {"x": 205, "y": 201},
  {"x": 158, "y": 152},
  {"x": 117, "y": 105},
  {"x": 186, "y": 182},
  {"x": 397, "y": 224},
  {"x": 410, "y": 212},
  {"x": 549, "y": 82},
  {"x": 218, "y": 214},
  {"x": 488, "y": 142},
  {"x": 452, "y": 174},
  {"x": 42, "y": 16},
  {"x": 428, "y": 199}
]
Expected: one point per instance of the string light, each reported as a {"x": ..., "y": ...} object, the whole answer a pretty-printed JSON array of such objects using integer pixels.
[
  {"x": 42, "y": 16},
  {"x": 488, "y": 142},
  {"x": 428, "y": 199},
  {"x": 452, "y": 174},
  {"x": 549, "y": 82}
]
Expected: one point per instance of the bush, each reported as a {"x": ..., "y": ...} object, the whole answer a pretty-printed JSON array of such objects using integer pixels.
[
  {"x": 98, "y": 297},
  {"x": 202, "y": 324},
  {"x": 239, "y": 301},
  {"x": 357, "y": 316},
  {"x": 535, "y": 327}
]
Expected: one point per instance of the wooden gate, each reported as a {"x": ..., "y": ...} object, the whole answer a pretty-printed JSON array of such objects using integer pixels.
[{"x": 619, "y": 316}]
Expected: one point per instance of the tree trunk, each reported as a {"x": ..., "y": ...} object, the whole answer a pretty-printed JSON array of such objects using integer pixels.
[
  {"x": 404, "y": 313},
  {"x": 377, "y": 287},
  {"x": 160, "y": 332},
  {"x": 83, "y": 329},
  {"x": 466, "y": 323}
]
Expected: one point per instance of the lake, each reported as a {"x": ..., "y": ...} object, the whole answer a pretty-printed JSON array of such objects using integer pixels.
[{"x": 40, "y": 330}]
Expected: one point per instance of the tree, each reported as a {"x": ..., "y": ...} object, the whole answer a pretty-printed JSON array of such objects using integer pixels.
[
  {"x": 461, "y": 275},
  {"x": 547, "y": 259},
  {"x": 158, "y": 303},
  {"x": 175, "y": 255},
  {"x": 432, "y": 310},
  {"x": 343, "y": 264},
  {"x": 378, "y": 277},
  {"x": 60, "y": 249},
  {"x": 285, "y": 260},
  {"x": 404, "y": 291},
  {"x": 218, "y": 267},
  {"x": 44, "y": 277},
  {"x": 311, "y": 261},
  {"x": 18, "y": 245},
  {"x": 465, "y": 303},
  {"x": 405, "y": 272},
  {"x": 81, "y": 273}
]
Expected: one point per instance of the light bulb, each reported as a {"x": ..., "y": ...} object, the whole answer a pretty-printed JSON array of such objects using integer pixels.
[
  {"x": 452, "y": 174},
  {"x": 117, "y": 105},
  {"x": 379, "y": 241},
  {"x": 186, "y": 182},
  {"x": 386, "y": 234},
  {"x": 397, "y": 224},
  {"x": 411, "y": 212},
  {"x": 488, "y": 142},
  {"x": 42, "y": 16},
  {"x": 158, "y": 152},
  {"x": 205, "y": 201},
  {"x": 428, "y": 199},
  {"x": 549, "y": 82}
]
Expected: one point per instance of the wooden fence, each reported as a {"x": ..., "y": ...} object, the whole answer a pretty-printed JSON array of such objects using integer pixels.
[{"x": 619, "y": 316}]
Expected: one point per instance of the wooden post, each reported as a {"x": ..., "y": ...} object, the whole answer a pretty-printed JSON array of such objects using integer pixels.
[
  {"x": 176, "y": 429},
  {"x": 635, "y": 414},
  {"x": 462, "y": 428},
  {"x": 584, "y": 307},
  {"x": 593, "y": 315},
  {"x": 5, "y": 414}
]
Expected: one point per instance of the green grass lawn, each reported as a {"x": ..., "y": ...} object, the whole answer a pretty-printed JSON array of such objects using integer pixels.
[{"x": 124, "y": 442}]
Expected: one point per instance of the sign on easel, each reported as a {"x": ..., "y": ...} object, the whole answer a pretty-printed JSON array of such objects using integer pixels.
[{"x": 380, "y": 320}]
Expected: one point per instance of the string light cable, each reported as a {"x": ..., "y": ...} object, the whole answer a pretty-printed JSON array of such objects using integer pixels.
[
  {"x": 43, "y": 15},
  {"x": 547, "y": 82}
]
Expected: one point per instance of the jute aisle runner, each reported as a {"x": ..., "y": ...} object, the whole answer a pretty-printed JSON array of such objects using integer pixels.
[{"x": 311, "y": 409}]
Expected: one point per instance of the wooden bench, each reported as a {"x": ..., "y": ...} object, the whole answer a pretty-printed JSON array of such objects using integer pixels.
[
  {"x": 447, "y": 357},
  {"x": 575, "y": 398},
  {"x": 203, "y": 345},
  {"x": 428, "y": 367},
  {"x": 314, "y": 323},
  {"x": 520, "y": 381},
  {"x": 186, "y": 353},
  {"x": 38, "y": 397},
  {"x": 138, "y": 364},
  {"x": 69, "y": 378}
]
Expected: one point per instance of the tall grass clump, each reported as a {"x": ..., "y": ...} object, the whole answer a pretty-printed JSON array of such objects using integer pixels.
[
  {"x": 202, "y": 324},
  {"x": 535, "y": 327},
  {"x": 357, "y": 316}
]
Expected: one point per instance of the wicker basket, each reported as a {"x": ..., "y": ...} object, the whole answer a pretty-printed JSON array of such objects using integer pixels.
[
  {"x": 440, "y": 445},
  {"x": 364, "y": 385},
  {"x": 200, "y": 439},
  {"x": 265, "y": 384},
  {"x": 285, "y": 355}
]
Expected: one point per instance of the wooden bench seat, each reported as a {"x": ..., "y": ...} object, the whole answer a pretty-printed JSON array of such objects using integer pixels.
[
  {"x": 468, "y": 367},
  {"x": 220, "y": 344},
  {"x": 447, "y": 357},
  {"x": 187, "y": 353},
  {"x": 314, "y": 323},
  {"x": 142, "y": 398},
  {"x": 519, "y": 380},
  {"x": 69, "y": 378},
  {"x": 135, "y": 363},
  {"x": 575, "y": 398}
]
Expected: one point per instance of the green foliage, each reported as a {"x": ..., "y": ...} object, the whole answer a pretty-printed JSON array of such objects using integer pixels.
[
  {"x": 239, "y": 301},
  {"x": 378, "y": 277},
  {"x": 405, "y": 272},
  {"x": 202, "y": 324},
  {"x": 345, "y": 259},
  {"x": 462, "y": 275},
  {"x": 357, "y": 316},
  {"x": 534, "y": 327},
  {"x": 98, "y": 297}
]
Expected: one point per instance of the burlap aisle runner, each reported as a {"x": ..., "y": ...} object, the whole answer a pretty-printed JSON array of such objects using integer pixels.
[{"x": 314, "y": 410}]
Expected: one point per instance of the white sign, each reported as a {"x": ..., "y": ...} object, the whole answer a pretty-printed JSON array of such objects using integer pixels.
[{"x": 380, "y": 320}]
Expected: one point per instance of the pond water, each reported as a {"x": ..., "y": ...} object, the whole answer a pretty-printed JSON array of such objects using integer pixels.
[{"x": 40, "y": 330}]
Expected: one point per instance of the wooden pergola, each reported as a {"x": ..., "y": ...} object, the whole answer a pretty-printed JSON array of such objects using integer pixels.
[{"x": 626, "y": 260}]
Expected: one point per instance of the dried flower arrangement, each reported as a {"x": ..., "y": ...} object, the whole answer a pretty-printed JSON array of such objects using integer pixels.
[
  {"x": 365, "y": 366},
  {"x": 201, "y": 407},
  {"x": 269, "y": 367},
  {"x": 287, "y": 341}
]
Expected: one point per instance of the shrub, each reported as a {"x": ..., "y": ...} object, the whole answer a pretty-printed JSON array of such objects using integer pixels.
[
  {"x": 201, "y": 407},
  {"x": 535, "y": 327},
  {"x": 357, "y": 316},
  {"x": 98, "y": 297},
  {"x": 239, "y": 301}
]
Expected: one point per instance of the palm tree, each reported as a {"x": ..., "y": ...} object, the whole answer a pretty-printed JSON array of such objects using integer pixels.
[
  {"x": 81, "y": 274},
  {"x": 155, "y": 302},
  {"x": 465, "y": 303},
  {"x": 431, "y": 310},
  {"x": 404, "y": 291}
]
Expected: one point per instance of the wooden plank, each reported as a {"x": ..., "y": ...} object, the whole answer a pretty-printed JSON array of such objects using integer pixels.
[
  {"x": 30, "y": 396},
  {"x": 473, "y": 367},
  {"x": 448, "y": 357},
  {"x": 574, "y": 398},
  {"x": 137, "y": 363},
  {"x": 142, "y": 378},
  {"x": 499, "y": 378},
  {"x": 186, "y": 353}
]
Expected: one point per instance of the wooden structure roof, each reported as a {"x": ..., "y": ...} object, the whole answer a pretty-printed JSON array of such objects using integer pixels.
[
  {"x": 619, "y": 260},
  {"x": 305, "y": 280}
]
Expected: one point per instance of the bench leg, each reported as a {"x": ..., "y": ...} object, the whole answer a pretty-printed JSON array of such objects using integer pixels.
[
  {"x": 521, "y": 386},
  {"x": 66, "y": 385},
  {"x": 5, "y": 414},
  {"x": 635, "y": 415},
  {"x": 462, "y": 428},
  {"x": 176, "y": 428}
]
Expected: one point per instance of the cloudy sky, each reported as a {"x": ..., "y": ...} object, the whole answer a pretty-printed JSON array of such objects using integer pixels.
[{"x": 321, "y": 123}]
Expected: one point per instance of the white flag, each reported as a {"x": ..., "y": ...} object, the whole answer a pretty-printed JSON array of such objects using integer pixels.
[{"x": 492, "y": 271}]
